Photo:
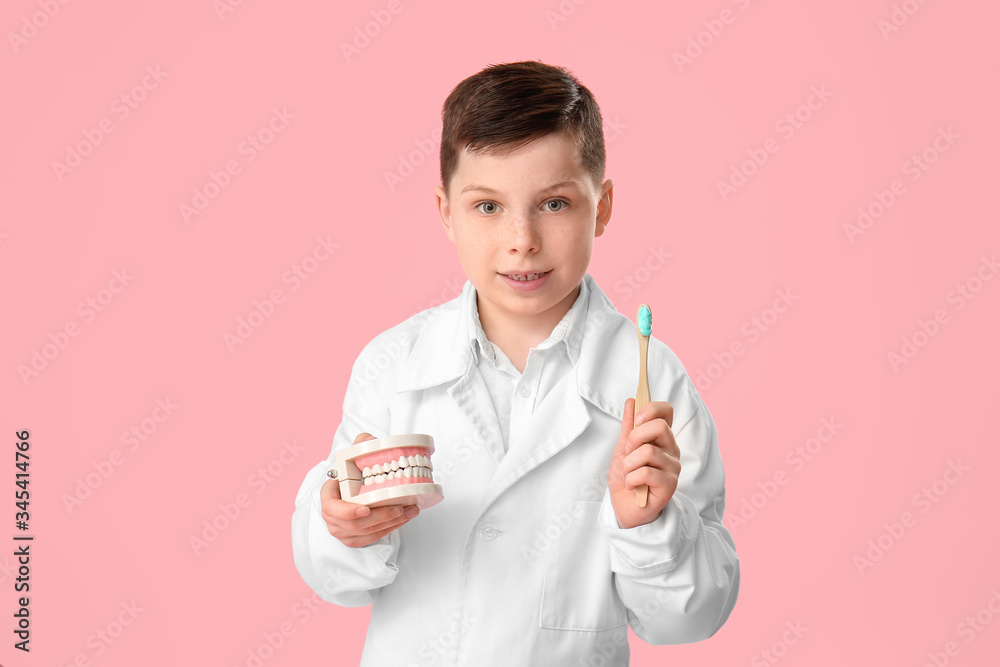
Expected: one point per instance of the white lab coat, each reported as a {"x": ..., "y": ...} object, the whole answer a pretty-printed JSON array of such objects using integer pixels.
[{"x": 523, "y": 562}]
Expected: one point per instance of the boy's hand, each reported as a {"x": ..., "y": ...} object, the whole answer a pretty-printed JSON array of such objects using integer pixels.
[
  {"x": 357, "y": 525},
  {"x": 646, "y": 454}
]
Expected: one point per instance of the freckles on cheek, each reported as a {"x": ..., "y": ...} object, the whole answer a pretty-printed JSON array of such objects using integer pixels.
[
  {"x": 583, "y": 244},
  {"x": 474, "y": 250}
]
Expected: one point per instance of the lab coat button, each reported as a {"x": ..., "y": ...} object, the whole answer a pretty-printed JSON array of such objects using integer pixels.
[
  {"x": 488, "y": 531},
  {"x": 525, "y": 391}
]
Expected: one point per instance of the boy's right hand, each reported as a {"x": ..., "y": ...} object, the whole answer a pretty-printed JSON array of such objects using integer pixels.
[{"x": 358, "y": 525}]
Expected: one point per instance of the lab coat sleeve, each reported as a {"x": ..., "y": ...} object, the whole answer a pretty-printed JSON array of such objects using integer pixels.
[
  {"x": 346, "y": 576},
  {"x": 679, "y": 575}
]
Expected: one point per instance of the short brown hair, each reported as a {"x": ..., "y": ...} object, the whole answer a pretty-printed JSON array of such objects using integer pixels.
[{"x": 506, "y": 106}]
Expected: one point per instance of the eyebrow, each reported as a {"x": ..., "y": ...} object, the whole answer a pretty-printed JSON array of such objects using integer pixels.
[{"x": 491, "y": 191}]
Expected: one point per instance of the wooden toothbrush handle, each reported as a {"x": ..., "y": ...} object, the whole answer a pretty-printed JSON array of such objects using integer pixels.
[{"x": 641, "y": 400}]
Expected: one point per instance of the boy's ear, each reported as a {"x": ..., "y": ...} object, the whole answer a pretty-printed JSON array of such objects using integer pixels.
[
  {"x": 604, "y": 207},
  {"x": 444, "y": 209}
]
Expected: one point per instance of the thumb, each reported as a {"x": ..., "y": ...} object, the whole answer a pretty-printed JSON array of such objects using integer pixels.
[{"x": 363, "y": 436}]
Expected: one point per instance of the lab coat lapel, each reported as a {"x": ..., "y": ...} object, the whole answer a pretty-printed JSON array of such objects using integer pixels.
[
  {"x": 473, "y": 397},
  {"x": 561, "y": 418},
  {"x": 443, "y": 353}
]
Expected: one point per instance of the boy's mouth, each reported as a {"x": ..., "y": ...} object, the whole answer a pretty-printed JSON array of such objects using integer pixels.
[{"x": 524, "y": 277}]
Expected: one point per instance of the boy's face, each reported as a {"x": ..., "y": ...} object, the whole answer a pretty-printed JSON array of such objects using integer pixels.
[{"x": 504, "y": 216}]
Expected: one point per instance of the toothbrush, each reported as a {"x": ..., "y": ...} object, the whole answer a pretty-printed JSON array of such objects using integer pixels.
[{"x": 644, "y": 322}]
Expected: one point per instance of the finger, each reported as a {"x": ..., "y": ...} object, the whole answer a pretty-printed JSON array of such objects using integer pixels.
[
  {"x": 363, "y": 436},
  {"x": 345, "y": 515},
  {"x": 654, "y": 410},
  {"x": 651, "y": 477},
  {"x": 390, "y": 525},
  {"x": 330, "y": 490},
  {"x": 649, "y": 455},
  {"x": 655, "y": 432},
  {"x": 364, "y": 540},
  {"x": 335, "y": 511},
  {"x": 380, "y": 518},
  {"x": 335, "y": 508},
  {"x": 363, "y": 527},
  {"x": 353, "y": 532}
]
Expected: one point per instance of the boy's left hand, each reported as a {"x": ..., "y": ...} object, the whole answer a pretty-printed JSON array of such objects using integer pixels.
[{"x": 646, "y": 454}]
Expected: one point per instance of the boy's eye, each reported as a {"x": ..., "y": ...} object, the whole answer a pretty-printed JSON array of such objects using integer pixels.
[{"x": 493, "y": 206}]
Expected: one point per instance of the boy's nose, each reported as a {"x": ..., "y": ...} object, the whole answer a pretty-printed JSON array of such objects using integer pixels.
[{"x": 524, "y": 234}]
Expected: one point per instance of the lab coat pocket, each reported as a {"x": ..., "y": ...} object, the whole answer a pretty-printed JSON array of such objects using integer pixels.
[{"x": 578, "y": 592}]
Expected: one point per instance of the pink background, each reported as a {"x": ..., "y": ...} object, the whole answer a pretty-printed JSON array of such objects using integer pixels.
[{"x": 673, "y": 133}]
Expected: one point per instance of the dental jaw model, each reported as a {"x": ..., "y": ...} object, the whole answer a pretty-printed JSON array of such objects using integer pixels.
[{"x": 394, "y": 470}]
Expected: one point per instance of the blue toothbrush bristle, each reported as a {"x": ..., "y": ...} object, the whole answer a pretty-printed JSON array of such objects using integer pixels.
[{"x": 645, "y": 320}]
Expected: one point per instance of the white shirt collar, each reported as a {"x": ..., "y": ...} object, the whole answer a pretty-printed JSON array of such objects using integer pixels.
[{"x": 567, "y": 331}]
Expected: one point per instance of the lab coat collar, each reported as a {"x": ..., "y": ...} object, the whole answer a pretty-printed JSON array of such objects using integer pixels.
[{"x": 441, "y": 351}]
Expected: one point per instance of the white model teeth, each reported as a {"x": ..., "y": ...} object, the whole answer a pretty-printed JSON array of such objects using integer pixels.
[
  {"x": 405, "y": 467},
  {"x": 404, "y": 473},
  {"x": 530, "y": 276}
]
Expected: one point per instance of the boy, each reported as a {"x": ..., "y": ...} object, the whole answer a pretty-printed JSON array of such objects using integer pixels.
[{"x": 539, "y": 553}]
